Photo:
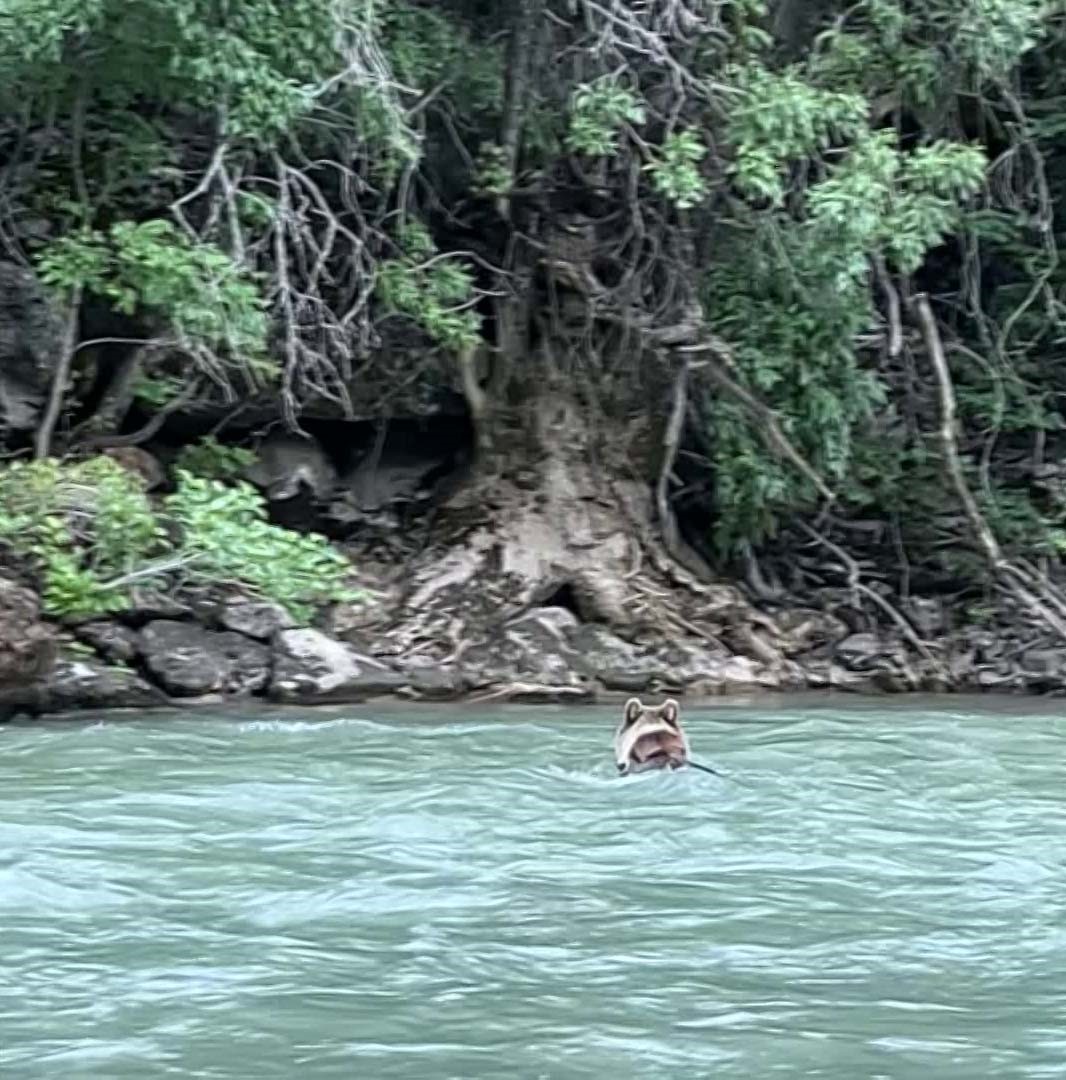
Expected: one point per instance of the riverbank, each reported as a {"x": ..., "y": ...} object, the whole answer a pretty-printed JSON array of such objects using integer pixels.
[{"x": 166, "y": 654}]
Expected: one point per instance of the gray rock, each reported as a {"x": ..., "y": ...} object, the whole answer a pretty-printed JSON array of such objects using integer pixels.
[
  {"x": 287, "y": 464},
  {"x": 257, "y": 619},
  {"x": 928, "y": 616},
  {"x": 557, "y": 621},
  {"x": 734, "y": 675},
  {"x": 399, "y": 474},
  {"x": 189, "y": 661},
  {"x": 28, "y": 646},
  {"x": 537, "y": 694},
  {"x": 614, "y": 663},
  {"x": 312, "y": 668},
  {"x": 31, "y": 341},
  {"x": 824, "y": 675},
  {"x": 434, "y": 683},
  {"x": 147, "y": 606},
  {"x": 90, "y": 684},
  {"x": 1044, "y": 663},
  {"x": 114, "y": 642},
  {"x": 989, "y": 679},
  {"x": 805, "y": 629},
  {"x": 688, "y": 662},
  {"x": 530, "y": 654},
  {"x": 863, "y": 652}
]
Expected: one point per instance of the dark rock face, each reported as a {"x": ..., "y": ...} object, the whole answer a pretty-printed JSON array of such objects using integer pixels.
[
  {"x": 28, "y": 646},
  {"x": 189, "y": 661},
  {"x": 310, "y": 668},
  {"x": 31, "y": 340}
]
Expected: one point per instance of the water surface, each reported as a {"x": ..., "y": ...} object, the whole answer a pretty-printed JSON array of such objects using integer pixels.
[{"x": 873, "y": 892}]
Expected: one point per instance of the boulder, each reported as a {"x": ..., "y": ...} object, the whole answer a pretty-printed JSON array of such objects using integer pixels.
[
  {"x": 532, "y": 651},
  {"x": 864, "y": 652},
  {"x": 140, "y": 463},
  {"x": 114, "y": 642},
  {"x": 734, "y": 675},
  {"x": 28, "y": 647},
  {"x": 149, "y": 605},
  {"x": 189, "y": 661},
  {"x": 805, "y": 629},
  {"x": 257, "y": 619},
  {"x": 434, "y": 683},
  {"x": 91, "y": 684},
  {"x": 614, "y": 663},
  {"x": 287, "y": 465},
  {"x": 311, "y": 668}
]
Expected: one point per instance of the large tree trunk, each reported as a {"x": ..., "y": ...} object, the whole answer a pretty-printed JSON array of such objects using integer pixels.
[{"x": 561, "y": 521}]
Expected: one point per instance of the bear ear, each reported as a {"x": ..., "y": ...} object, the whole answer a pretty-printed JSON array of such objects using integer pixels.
[
  {"x": 633, "y": 710},
  {"x": 669, "y": 711}
]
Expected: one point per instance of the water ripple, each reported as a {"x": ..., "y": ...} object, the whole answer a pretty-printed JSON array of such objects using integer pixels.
[{"x": 870, "y": 892}]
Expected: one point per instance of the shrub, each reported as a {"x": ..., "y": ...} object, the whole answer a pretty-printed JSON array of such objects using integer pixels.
[
  {"x": 92, "y": 533},
  {"x": 211, "y": 459},
  {"x": 228, "y": 539}
]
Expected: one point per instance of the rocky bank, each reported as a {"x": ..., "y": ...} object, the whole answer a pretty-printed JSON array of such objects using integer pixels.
[{"x": 217, "y": 650}]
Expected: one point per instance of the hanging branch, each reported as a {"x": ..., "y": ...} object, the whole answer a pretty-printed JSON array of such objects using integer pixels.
[
  {"x": 1027, "y": 589},
  {"x": 671, "y": 443}
]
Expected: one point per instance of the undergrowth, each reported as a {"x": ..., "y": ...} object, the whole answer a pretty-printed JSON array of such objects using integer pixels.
[{"x": 92, "y": 534}]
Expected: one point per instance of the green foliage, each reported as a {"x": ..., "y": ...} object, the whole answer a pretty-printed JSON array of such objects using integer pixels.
[
  {"x": 675, "y": 170},
  {"x": 435, "y": 292},
  {"x": 493, "y": 174},
  {"x": 225, "y": 532},
  {"x": 153, "y": 268},
  {"x": 791, "y": 289},
  {"x": 868, "y": 151},
  {"x": 85, "y": 524},
  {"x": 426, "y": 49},
  {"x": 91, "y": 531},
  {"x": 793, "y": 329},
  {"x": 263, "y": 64},
  {"x": 901, "y": 205},
  {"x": 779, "y": 118},
  {"x": 598, "y": 111},
  {"x": 213, "y": 460},
  {"x": 156, "y": 390}
]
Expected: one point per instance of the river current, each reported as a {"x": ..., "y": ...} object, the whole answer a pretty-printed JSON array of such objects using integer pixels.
[{"x": 871, "y": 891}]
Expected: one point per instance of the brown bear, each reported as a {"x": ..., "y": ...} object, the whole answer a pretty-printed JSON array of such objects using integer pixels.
[{"x": 650, "y": 738}]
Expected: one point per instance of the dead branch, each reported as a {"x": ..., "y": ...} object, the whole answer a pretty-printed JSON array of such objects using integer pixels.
[
  {"x": 1025, "y": 588},
  {"x": 42, "y": 443},
  {"x": 671, "y": 442},
  {"x": 853, "y": 574}
]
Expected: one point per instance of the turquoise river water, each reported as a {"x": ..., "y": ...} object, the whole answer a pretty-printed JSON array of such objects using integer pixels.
[{"x": 873, "y": 891}]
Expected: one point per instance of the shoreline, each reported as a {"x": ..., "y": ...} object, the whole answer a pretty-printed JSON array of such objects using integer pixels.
[
  {"x": 397, "y": 707},
  {"x": 235, "y": 652}
]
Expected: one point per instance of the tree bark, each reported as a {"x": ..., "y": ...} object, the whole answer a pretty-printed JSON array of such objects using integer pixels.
[{"x": 42, "y": 445}]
